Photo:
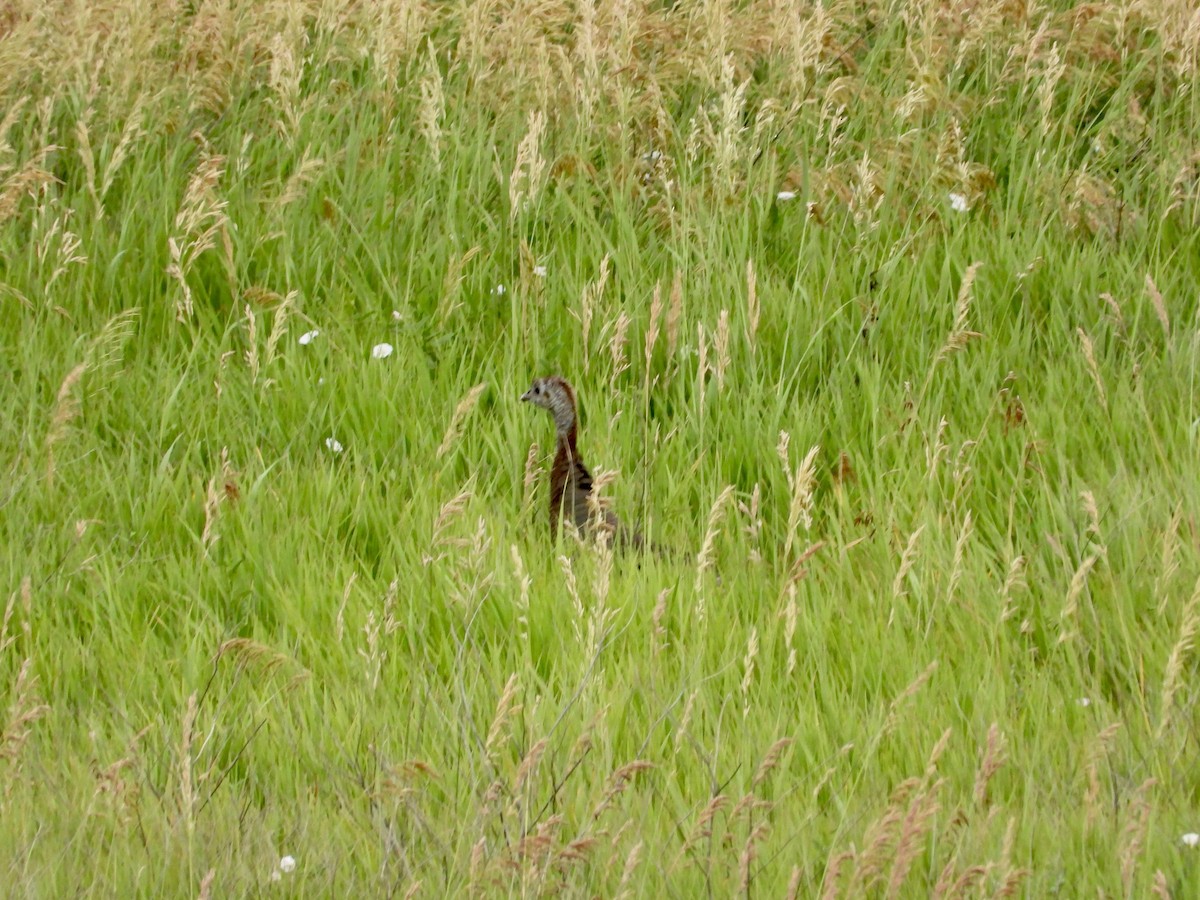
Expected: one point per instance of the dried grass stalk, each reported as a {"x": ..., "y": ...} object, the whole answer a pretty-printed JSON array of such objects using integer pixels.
[
  {"x": 529, "y": 170},
  {"x": 454, "y": 429},
  {"x": 1189, "y": 626},
  {"x": 960, "y": 334}
]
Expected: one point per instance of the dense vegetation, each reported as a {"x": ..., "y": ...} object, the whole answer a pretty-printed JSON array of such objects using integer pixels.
[{"x": 883, "y": 315}]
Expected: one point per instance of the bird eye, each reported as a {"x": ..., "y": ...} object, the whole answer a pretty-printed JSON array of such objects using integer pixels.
[{"x": 537, "y": 388}]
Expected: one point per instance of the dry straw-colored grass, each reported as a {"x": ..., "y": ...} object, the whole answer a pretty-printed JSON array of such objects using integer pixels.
[{"x": 461, "y": 411}]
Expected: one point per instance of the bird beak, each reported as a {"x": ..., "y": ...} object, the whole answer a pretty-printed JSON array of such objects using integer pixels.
[{"x": 527, "y": 396}]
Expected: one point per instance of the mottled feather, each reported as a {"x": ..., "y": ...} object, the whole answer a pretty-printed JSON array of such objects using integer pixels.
[{"x": 570, "y": 480}]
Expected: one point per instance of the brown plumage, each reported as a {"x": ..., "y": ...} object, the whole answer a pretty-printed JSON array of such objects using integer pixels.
[{"x": 570, "y": 481}]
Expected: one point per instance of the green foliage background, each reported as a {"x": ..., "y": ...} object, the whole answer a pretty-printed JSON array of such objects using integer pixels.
[{"x": 950, "y": 652}]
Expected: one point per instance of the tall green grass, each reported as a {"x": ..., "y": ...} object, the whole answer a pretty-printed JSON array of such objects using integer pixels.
[{"x": 882, "y": 314}]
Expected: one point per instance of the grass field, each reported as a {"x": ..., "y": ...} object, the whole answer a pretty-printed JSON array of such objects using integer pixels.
[{"x": 882, "y": 314}]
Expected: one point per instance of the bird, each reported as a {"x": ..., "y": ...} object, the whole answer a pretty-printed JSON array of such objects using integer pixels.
[{"x": 570, "y": 480}]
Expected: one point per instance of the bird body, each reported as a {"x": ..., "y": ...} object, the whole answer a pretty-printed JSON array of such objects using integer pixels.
[{"x": 570, "y": 480}]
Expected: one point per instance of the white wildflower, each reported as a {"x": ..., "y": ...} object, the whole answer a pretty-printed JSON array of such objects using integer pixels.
[
  {"x": 958, "y": 202},
  {"x": 1084, "y": 701},
  {"x": 382, "y": 351},
  {"x": 308, "y": 337},
  {"x": 1191, "y": 839},
  {"x": 397, "y": 316},
  {"x": 498, "y": 290},
  {"x": 784, "y": 196},
  {"x": 287, "y": 864},
  {"x": 334, "y": 445},
  {"x": 539, "y": 271}
]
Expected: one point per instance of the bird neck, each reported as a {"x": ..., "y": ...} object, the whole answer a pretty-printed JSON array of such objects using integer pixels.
[
  {"x": 563, "y": 410},
  {"x": 567, "y": 435}
]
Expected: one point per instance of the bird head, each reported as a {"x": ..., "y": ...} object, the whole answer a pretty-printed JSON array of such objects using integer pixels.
[{"x": 555, "y": 395}]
